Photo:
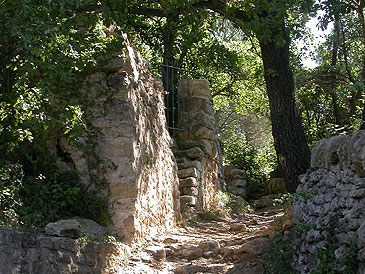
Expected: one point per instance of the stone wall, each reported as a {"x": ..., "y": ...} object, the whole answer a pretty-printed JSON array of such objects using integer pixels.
[
  {"x": 131, "y": 144},
  {"x": 236, "y": 181},
  {"x": 197, "y": 147},
  {"x": 28, "y": 253},
  {"x": 331, "y": 209}
]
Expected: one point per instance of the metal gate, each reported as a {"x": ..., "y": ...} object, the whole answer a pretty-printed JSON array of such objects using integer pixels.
[{"x": 174, "y": 81}]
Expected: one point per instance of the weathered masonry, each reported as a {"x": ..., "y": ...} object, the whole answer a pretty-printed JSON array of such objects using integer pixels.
[{"x": 331, "y": 208}]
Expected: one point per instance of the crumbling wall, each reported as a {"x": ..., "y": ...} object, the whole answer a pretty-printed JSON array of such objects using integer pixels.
[
  {"x": 331, "y": 208},
  {"x": 131, "y": 144},
  {"x": 28, "y": 253},
  {"x": 197, "y": 151}
]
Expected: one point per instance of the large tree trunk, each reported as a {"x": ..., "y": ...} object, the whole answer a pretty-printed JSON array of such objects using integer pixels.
[{"x": 289, "y": 139}]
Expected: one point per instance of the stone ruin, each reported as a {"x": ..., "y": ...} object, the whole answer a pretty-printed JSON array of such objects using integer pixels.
[
  {"x": 133, "y": 146},
  {"x": 146, "y": 179},
  {"x": 153, "y": 178},
  {"x": 331, "y": 207}
]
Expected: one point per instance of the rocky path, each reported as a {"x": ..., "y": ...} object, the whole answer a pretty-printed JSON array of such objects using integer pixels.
[{"x": 230, "y": 246}]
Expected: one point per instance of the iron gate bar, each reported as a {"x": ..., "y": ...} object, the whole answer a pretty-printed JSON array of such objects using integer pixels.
[{"x": 172, "y": 77}]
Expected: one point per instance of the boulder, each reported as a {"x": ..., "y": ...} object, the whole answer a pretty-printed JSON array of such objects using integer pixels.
[
  {"x": 255, "y": 246},
  {"x": 64, "y": 228},
  {"x": 275, "y": 186},
  {"x": 75, "y": 228}
]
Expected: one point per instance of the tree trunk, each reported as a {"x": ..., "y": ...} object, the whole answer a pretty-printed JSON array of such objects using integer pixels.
[{"x": 289, "y": 139}]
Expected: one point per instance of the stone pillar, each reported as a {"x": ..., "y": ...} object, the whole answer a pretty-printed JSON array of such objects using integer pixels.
[{"x": 197, "y": 153}]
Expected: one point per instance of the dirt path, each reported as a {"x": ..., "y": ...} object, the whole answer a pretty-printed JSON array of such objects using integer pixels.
[{"x": 230, "y": 246}]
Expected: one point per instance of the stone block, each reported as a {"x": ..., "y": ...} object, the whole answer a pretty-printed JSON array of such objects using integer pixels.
[
  {"x": 188, "y": 200},
  {"x": 313, "y": 236},
  {"x": 91, "y": 228},
  {"x": 187, "y": 164},
  {"x": 189, "y": 172},
  {"x": 241, "y": 191},
  {"x": 157, "y": 252},
  {"x": 238, "y": 227},
  {"x": 205, "y": 133},
  {"x": 358, "y": 193},
  {"x": 202, "y": 105},
  {"x": 64, "y": 228},
  {"x": 113, "y": 62},
  {"x": 67, "y": 244},
  {"x": 200, "y": 119},
  {"x": 118, "y": 80},
  {"x": 209, "y": 245},
  {"x": 190, "y": 191},
  {"x": 188, "y": 182},
  {"x": 194, "y": 153},
  {"x": 240, "y": 182},
  {"x": 192, "y": 253},
  {"x": 255, "y": 246},
  {"x": 361, "y": 236},
  {"x": 209, "y": 148},
  {"x": 47, "y": 242},
  {"x": 235, "y": 172},
  {"x": 196, "y": 88}
]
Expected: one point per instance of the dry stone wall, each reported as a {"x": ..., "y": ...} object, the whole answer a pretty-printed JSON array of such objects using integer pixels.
[
  {"x": 197, "y": 147},
  {"x": 132, "y": 145},
  {"x": 28, "y": 253},
  {"x": 331, "y": 208}
]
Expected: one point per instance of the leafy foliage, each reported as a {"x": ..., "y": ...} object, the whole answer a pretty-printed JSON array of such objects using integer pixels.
[
  {"x": 242, "y": 154},
  {"x": 279, "y": 258},
  {"x": 332, "y": 94},
  {"x": 35, "y": 191},
  {"x": 46, "y": 49}
]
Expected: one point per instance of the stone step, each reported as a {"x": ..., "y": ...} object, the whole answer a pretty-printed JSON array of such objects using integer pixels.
[{"x": 209, "y": 249}]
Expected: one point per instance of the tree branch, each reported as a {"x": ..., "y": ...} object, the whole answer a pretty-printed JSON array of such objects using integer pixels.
[
  {"x": 131, "y": 10},
  {"x": 220, "y": 7}
]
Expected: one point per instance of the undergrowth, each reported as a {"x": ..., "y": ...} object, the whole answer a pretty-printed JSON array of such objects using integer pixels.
[
  {"x": 225, "y": 205},
  {"x": 278, "y": 260},
  {"x": 35, "y": 191}
]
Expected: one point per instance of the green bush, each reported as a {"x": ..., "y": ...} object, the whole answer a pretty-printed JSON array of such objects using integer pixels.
[
  {"x": 278, "y": 260},
  {"x": 257, "y": 163},
  {"x": 34, "y": 191}
]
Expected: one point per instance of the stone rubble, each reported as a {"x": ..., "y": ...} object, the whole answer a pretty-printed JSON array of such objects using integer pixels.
[{"x": 211, "y": 247}]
